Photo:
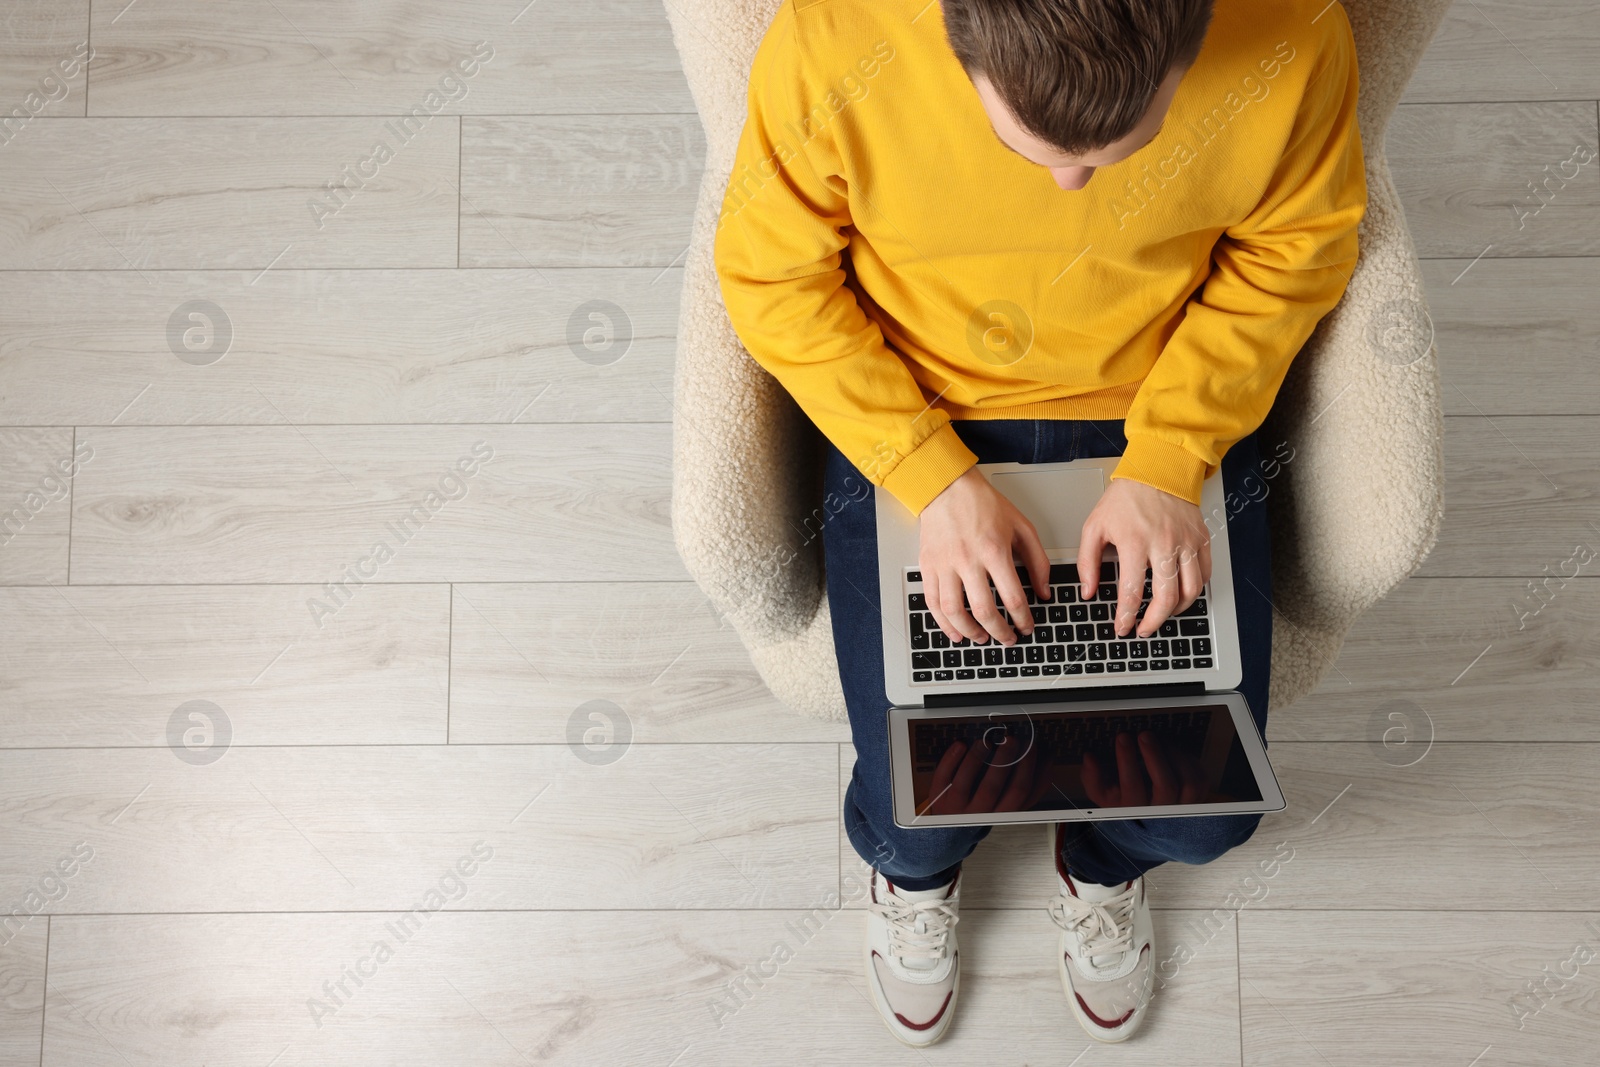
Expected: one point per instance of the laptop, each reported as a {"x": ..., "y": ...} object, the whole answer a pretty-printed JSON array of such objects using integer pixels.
[{"x": 1071, "y": 723}]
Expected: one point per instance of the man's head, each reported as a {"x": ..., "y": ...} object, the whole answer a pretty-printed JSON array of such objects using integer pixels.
[{"x": 1076, "y": 84}]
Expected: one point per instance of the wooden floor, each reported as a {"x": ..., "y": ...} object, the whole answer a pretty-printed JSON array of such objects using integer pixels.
[{"x": 223, "y": 781}]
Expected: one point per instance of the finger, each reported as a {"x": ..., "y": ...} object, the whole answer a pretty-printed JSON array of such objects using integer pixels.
[
  {"x": 1130, "y": 587},
  {"x": 1164, "y": 590},
  {"x": 987, "y": 620},
  {"x": 1015, "y": 597},
  {"x": 1091, "y": 547},
  {"x": 1006, "y": 583},
  {"x": 951, "y": 593},
  {"x": 932, "y": 588},
  {"x": 1132, "y": 786},
  {"x": 1163, "y": 781},
  {"x": 1189, "y": 576},
  {"x": 1031, "y": 550}
]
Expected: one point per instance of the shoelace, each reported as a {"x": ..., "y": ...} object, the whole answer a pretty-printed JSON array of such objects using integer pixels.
[
  {"x": 1103, "y": 928},
  {"x": 935, "y": 917}
]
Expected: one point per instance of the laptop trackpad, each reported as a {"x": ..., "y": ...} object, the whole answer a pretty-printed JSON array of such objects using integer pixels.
[{"x": 1057, "y": 502}]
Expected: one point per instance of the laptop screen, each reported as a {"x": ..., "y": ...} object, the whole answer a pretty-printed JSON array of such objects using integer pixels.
[{"x": 1046, "y": 760}]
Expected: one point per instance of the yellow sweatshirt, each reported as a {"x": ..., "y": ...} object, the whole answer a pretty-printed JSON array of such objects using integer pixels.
[{"x": 894, "y": 265}]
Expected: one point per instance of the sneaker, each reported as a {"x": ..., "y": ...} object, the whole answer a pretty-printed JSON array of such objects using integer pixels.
[
  {"x": 1106, "y": 954},
  {"x": 913, "y": 966}
]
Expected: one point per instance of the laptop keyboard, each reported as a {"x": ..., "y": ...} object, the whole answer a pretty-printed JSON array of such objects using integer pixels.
[{"x": 1070, "y": 636}]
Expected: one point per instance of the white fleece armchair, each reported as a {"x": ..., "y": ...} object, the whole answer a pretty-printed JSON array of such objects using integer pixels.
[{"x": 1355, "y": 512}]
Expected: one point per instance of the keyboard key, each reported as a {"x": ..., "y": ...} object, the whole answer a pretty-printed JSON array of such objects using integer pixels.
[
  {"x": 1203, "y": 663},
  {"x": 917, "y": 602},
  {"x": 986, "y": 672},
  {"x": 965, "y": 642},
  {"x": 1108, "y": 570},
  {"x": 1063, "y": 572},
  {"x": 1105, "y": 631},
  {"x": 1139, "y": 649},
  {"x": 1169, "y": 628},
  {"x": 1180, "y": 664},
  {"x": 1180, "y": 646},
  {"x": 1035, "y": 654},
  {"x": 919, "y": 640},
  {"x": 1013, "y": 655},
  {"x": 1058, "y": 613},
  {"x": 1078, "y": 612},
  {"x": 1039, "y": 614},
  {"x": 1197, "y": 608},
  {"x": 1097, "y": 651},
  {"x": 952, "y": 658},
  {"x": 1066, "y": 594},
  {"x": 925, "y": 661},
  {"x": 1064, "y": 633},
  {"x": 1094, "y": 668},
  {"x": 1158, "y": 664},
  {"x": 1194, "y": 627},
  {"x": 1138, "y": 665},
  {"x": 1202, "y": 646},
  {"x": 965, "y": 676},
  {"x": 1077, "y": 653},
  {"x": 1072, "y": 668},
  {"x": 1099, "y": 611},
  {"x": 1008, "y": 672},
  {"x": 944, "y": 676},
  {"x": 1051, "y": 668},
  {"x": 1030, "y": 672},
  {"x": 1085, "y": 631},
  {"x": 922, "y": 676},
  {"x": 1108, "y": 592},
  {"x": 1115, "y": 666},
  {"x": 993, "y": 657},
  {"x": 939, "y": 639},
  {"x": 972, "y": 657},
  {"x": 1158, "y": 649},
  {"x": 1119, "y": 650},
  {"x": 914, "y": 576},
  {"x": 1056, "y": 653}
]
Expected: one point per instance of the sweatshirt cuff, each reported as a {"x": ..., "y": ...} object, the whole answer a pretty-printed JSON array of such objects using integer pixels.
[
  {"x": 1166, "y": 466},
  {"x": 940, "y": 459}
]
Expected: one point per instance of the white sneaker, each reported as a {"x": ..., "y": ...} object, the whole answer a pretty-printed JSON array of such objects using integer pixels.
[
  {"x": 1106, "y": 953},
  {"x": 913, "y": 965}
]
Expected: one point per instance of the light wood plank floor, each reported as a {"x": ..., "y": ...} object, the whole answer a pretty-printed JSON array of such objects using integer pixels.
[{"x": 239, "y": 740}]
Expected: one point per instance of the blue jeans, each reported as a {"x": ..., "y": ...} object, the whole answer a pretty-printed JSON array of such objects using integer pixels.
[{"x": 1108, "y": 851}]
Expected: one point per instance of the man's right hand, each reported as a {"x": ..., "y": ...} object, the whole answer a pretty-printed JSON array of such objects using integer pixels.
[{"x": 968, "y": 534}]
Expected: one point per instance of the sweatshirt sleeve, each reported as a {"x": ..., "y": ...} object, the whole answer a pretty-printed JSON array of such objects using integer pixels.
[
  {"x": 779, "y": 258},
  {"x": 1274, "y": 275}
]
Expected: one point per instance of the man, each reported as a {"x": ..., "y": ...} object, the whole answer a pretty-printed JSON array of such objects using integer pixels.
[{"x": 1035, "y": 230}]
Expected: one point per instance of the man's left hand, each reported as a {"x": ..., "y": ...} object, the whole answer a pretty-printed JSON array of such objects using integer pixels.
[{"x": 1151, "y": 529}]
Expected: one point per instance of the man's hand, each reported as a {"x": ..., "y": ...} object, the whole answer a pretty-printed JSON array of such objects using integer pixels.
[
  {"x": 1151, "y": 529},
  {"x": 968, "y": 533}
]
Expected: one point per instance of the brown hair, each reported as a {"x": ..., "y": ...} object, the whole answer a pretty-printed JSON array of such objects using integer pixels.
[{"x": 1077, "y": 74}]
